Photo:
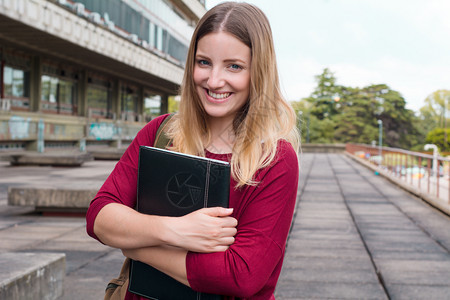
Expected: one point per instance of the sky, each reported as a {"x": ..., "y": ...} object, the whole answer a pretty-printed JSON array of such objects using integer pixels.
[{"x": 402, "y": 43}]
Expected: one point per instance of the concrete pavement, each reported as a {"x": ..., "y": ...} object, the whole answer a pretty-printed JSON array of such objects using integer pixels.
[
  {"x": 355, "y": 235},
  {"x": 89, "y": 264}
]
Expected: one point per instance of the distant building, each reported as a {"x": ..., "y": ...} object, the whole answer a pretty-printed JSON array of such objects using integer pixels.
[{"x": 93, "y": 70}]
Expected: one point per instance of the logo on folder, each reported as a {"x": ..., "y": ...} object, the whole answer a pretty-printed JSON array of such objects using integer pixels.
[{"x": 184, "y": 190}]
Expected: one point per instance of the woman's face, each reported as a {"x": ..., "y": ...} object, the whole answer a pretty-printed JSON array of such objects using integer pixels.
[{"x": 222, "y": 74}]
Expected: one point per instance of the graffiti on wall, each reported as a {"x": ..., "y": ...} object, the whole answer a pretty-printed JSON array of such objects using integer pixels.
[
  {"x": 103, "y": 131},
  {"x": 19, "y": 127}
]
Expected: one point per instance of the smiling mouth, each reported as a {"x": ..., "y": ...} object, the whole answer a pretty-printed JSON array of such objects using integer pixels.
[{"x": 218, "y": 96}]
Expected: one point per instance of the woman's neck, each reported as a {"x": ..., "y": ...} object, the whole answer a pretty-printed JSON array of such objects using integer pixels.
[{"x": 222, "y": 137}]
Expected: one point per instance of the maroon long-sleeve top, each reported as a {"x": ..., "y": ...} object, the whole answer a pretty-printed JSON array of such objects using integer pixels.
[{"x": 250, "y": 268}]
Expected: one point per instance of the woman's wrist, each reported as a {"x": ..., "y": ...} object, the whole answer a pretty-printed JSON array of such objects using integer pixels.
[{"x": 163, "y": 230}]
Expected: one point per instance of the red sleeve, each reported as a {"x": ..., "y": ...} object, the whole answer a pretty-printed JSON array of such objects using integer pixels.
[
  {"x": 121, "y": 185},
  {"x": 264, "y": 216}
]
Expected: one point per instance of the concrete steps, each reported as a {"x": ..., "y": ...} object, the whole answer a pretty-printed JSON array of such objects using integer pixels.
[
  {"x": 50, "y": 188},
  {"x": 32, "y": 275},
  {"x": 49, "y": 159}
]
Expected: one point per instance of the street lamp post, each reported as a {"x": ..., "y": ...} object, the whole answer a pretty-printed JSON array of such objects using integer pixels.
[{"x": 380, "y": 139}]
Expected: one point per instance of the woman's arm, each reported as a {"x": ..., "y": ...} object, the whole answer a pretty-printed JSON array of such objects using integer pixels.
[
  {"x": 169, "y": 260},
  {"x": 205, "y": 230},
  {"x": 254, "y": 260}
]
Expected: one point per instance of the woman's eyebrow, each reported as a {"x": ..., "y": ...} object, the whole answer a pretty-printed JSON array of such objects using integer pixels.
[
  {"x": 235, "y": 60},
  {"x": 228, "y": 60},
  {"x": 200, "y": 55}
]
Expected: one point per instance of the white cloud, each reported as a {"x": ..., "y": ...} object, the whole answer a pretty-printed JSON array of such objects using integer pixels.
[
  {"x": 414, "y": 81},
  {"x": 355, "y": 31},
  {"x": 297, "y": 76}
]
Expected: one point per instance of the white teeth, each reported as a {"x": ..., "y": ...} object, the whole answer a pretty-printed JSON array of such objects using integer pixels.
[{"x": 218, "y": 96}]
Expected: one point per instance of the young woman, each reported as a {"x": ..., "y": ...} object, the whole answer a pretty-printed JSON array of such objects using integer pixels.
[{"x": 231, "y": 110}]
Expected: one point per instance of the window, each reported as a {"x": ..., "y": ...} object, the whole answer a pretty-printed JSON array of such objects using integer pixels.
[
  {"x": 159, "y": 38},
  {"x": 152, "y": 106},
  {"x": 168, "y": 32},
  {"x": 99, "y": 97},
  {"x": 58, "y": 95},
  {"x": 129, "y": 103},
  {"x": 16, "y": 84},
  {"x": 99, "y": 102}
]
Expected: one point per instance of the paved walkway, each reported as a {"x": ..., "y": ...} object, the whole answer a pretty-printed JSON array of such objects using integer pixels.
[
  {"x": 89, "y": 264},
  {"x": 355, "y": 235}
]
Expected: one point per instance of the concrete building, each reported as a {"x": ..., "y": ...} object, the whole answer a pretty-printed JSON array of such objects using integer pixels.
[{"x": 93, "y": 71}]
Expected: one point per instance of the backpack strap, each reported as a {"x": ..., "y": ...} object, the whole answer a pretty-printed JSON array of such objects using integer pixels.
[{"x": 161, "y": 139}]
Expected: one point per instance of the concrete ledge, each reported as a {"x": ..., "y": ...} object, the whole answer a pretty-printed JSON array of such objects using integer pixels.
[
  {"x": 107, "y": 153},
  {"x": 433, "y": 201},
  {"x": 52, "y": 199},
  {"x": 32, "y": 275},
  {"x": 49, "y": 159}
]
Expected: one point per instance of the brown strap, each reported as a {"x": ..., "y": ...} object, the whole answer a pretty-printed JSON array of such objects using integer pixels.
[
  {"x": 161, "y": 139},
  {"x": 117, "y": 288}
]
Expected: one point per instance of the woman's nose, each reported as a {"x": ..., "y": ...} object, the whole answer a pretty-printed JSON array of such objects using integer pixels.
[{"x": 216, "y": 79}]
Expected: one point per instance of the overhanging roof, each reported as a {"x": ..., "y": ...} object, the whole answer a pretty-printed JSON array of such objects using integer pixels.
[{"x": 45, "y": 28}]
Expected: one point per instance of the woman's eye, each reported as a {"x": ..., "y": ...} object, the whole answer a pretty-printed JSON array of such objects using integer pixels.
[
  {"x": 203, "y": 62},
  {"x": 235, "y": 67}
]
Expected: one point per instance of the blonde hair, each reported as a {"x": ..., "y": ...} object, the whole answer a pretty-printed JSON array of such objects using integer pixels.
[{"x": 264, "y": 119}]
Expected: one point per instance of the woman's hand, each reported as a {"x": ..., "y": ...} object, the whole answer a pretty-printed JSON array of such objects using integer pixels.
[{"x": 205, "y": 230}]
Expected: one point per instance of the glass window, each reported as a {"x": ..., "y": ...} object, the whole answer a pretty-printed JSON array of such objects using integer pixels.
[
  {"x": 66, "y": 97},
  {"x": 157, "y": 22},
  {"x": 152, "y": 106},
  {"x": 14, "y": 82},
  {"x": 129, "y": 103},
  {"x": 159, "y": 38},
  {"x": 16, "y": 85},
  {"x": 152, "y": 35},
  {"x": 58, "y": 95},
  {"x": 99, "y": 102},
  {"x": 8, "y": 81},
  {"x": 49, "y": 86}
]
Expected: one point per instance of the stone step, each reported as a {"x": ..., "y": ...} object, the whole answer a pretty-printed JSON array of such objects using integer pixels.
[
  {"x": 107, "y": 153},
  {"x": 53, "y": 199},
  {"x": 48, "y": 159},
  {"x": 32, "y": 275}
]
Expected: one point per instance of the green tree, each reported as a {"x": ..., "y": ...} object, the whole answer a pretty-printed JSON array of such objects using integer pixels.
[
  {"x": 173, "y": 104},
  {"x": 325, "y": 96},
  {"x": 357, "y": 123},
  {"x": 398, "y": 121},
  {"x": 436, "y": 106},
  {"x": 339, "y": 114},
  {"x": 438, "y": 137},
  {"x": 433, "y": 113}
]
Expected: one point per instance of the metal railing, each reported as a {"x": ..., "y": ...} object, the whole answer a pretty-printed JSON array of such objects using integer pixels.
[{"x": 429, "y": 174}]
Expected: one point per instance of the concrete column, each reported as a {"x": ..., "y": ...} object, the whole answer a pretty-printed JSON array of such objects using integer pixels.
[
  {"x": 164, "y": 104},
  {"x": 39, "y": 144},
  {"x": 35, "y": 83},
  {"x": 82, "y": 93},
  {"x": 116, "y": 99},
  {"x": 140, "y": 104},
  {"x": 117, "y": 111}
]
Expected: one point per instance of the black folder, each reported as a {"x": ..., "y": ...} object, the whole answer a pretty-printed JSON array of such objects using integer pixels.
[{"x": 175, "y": 184}]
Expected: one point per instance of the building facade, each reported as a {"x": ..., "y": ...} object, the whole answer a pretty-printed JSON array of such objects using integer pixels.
[{"x": 88, "y": 70}]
